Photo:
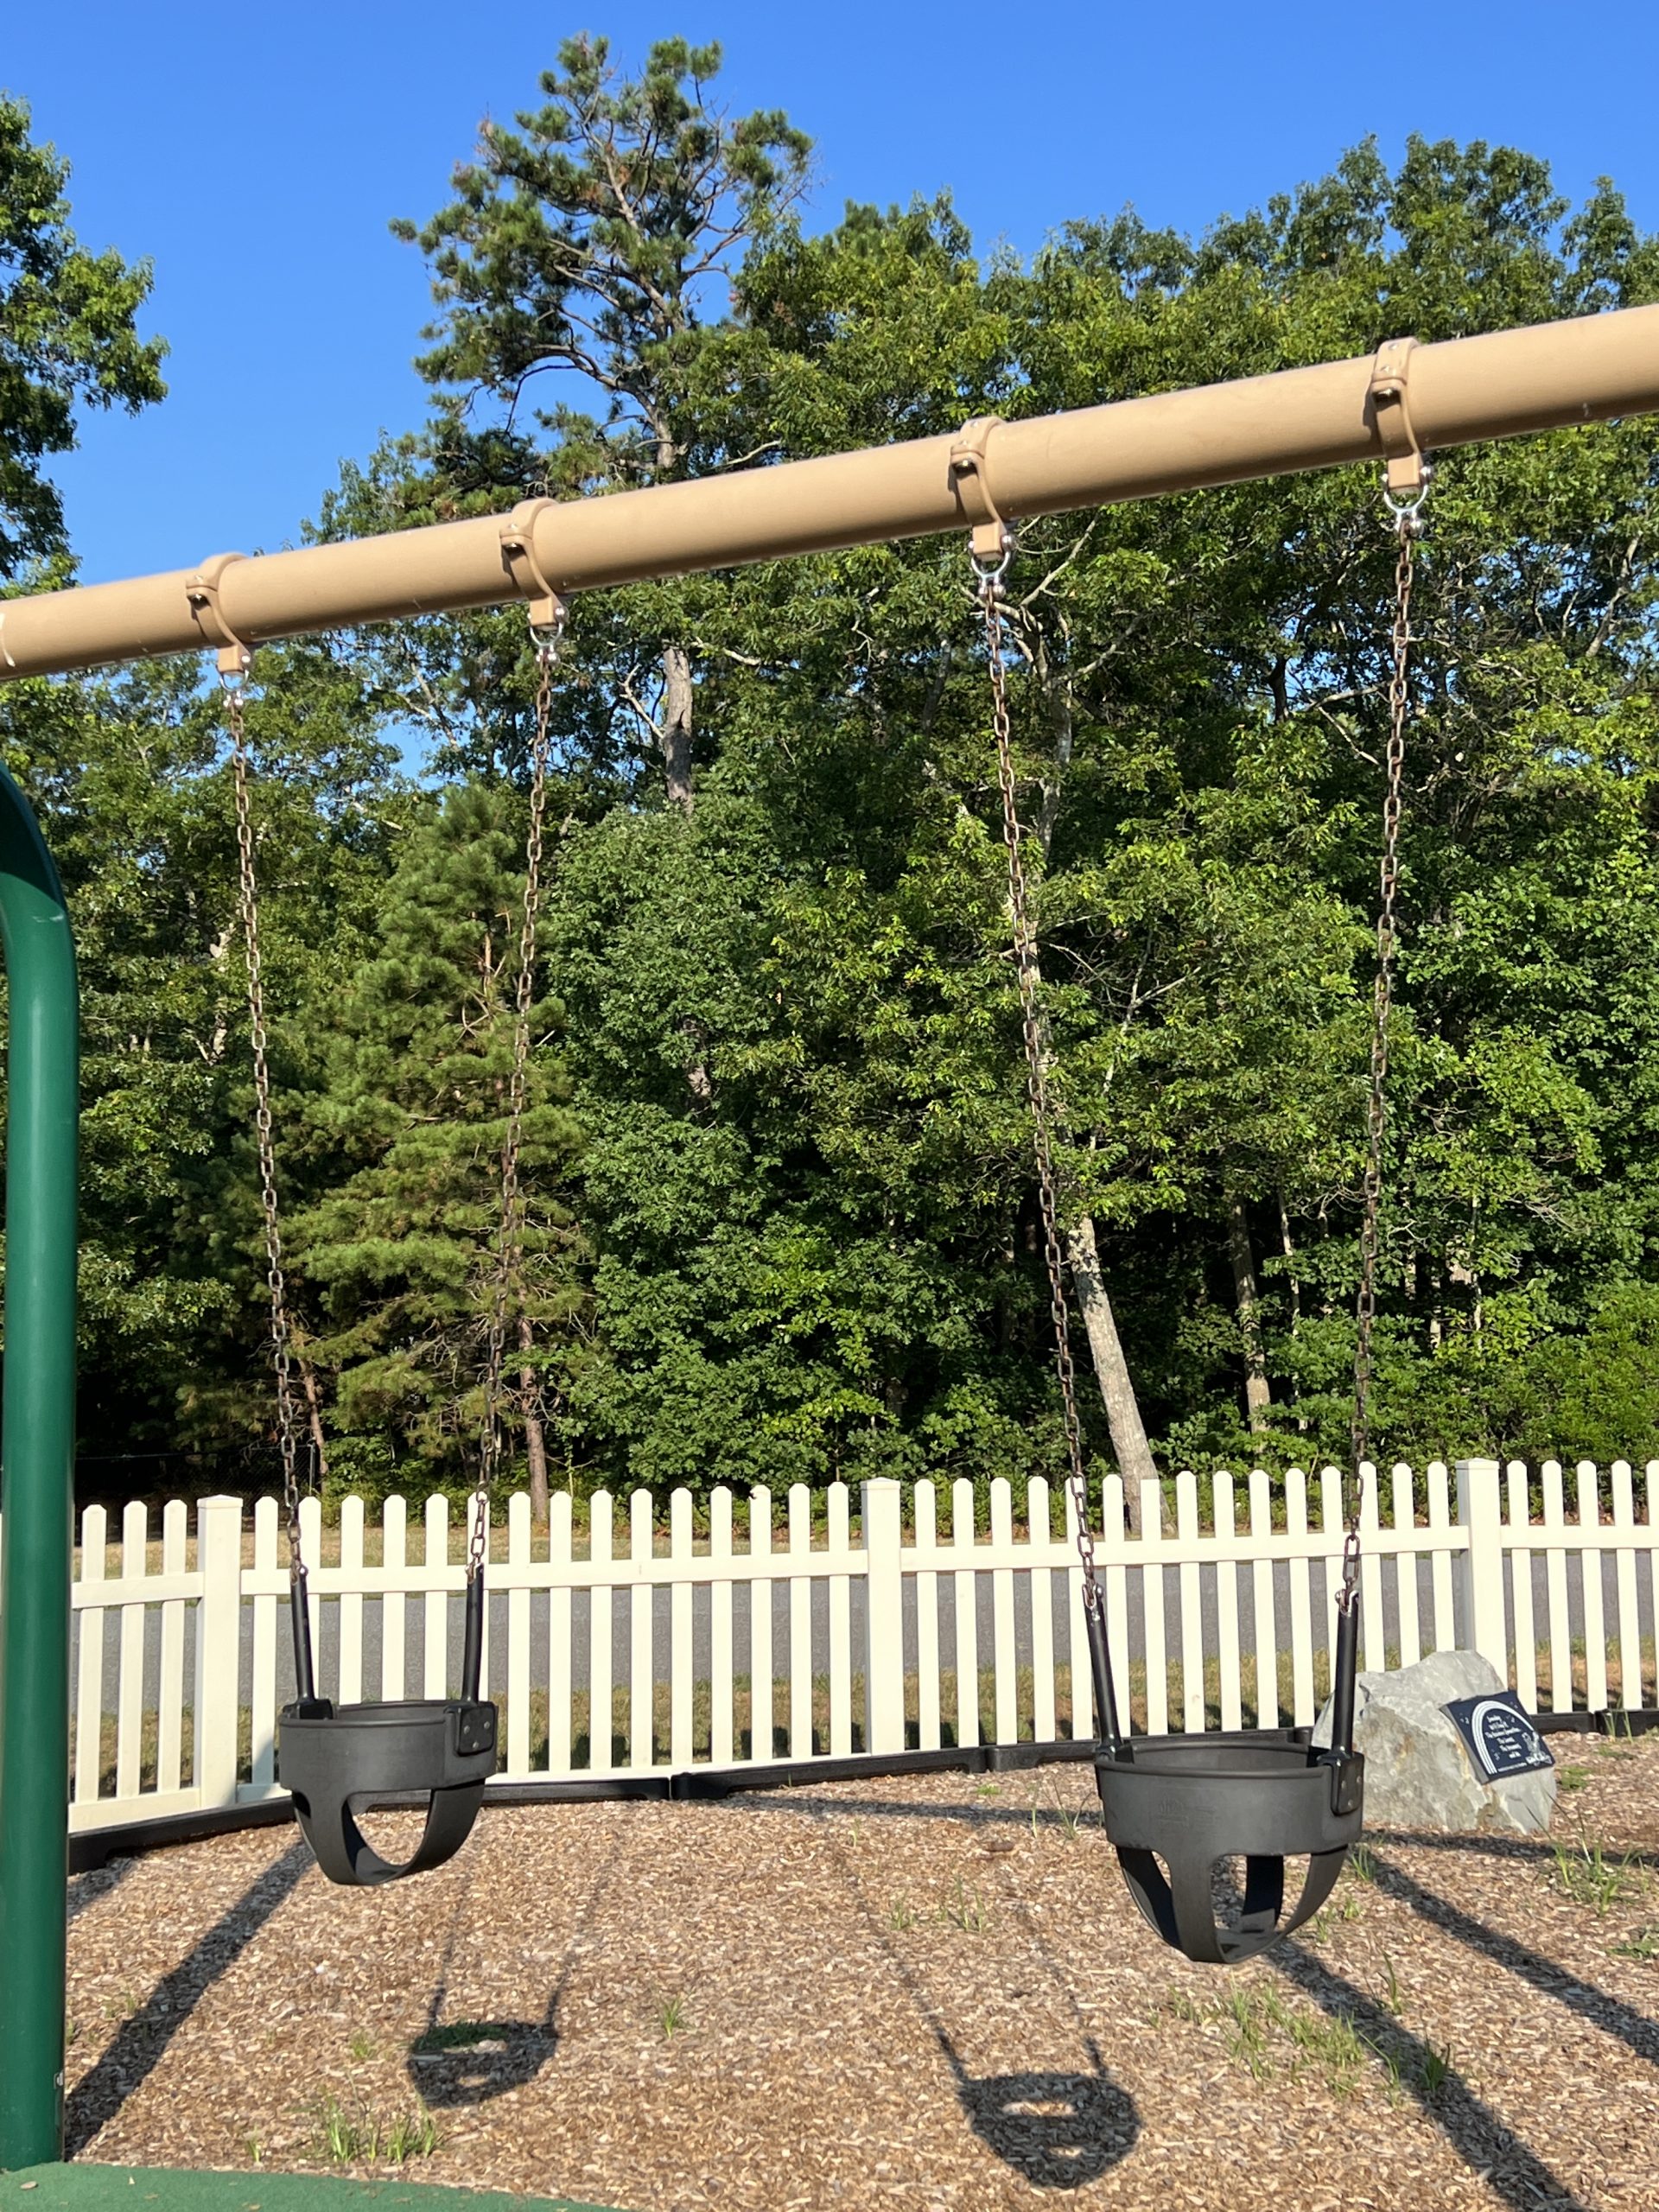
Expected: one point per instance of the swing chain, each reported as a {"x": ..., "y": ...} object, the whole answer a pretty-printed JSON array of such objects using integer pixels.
[
  {"x": 545, "y": 636},
  {"x": 989, "y": 582},
  {"x": 281, "y": 1332},
  {"x": 1408, "y": 524}
]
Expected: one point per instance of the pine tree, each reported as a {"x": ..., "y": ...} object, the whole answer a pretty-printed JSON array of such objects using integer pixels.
[{"x": 403, "y": 1250}]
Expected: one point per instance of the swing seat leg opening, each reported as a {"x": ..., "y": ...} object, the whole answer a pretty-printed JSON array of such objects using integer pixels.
[
  {"x": 1193, "y": 1803},
  {"x": 337, "y": 1760}
]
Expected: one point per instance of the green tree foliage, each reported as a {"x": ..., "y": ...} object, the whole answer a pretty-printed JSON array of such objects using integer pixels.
[
  {"x": 596, "y": 240},
  {"x": 67, "y": 337},
  {"x": 783, "y": 1216},
  {"x": 402, "y": 1243},
  {"x": 1200, "y": 717},
  {"x": 129, "y": 777}
]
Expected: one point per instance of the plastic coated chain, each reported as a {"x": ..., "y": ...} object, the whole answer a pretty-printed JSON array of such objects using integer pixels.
[
  {"x": 280, "y": 1333},
  {"x": 510, "y": 1258}
]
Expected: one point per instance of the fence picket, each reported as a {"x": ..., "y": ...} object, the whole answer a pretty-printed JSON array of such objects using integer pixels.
[
  {"x": 601, "y": 1749},
  {"x": 130, "y": 1691},
  {"x": 89, "y": 1688},
  {"x": 964, "y": 1584},
  {"x": 518, "y": 1636},
  {"x": 881, "y": 1519},
  {"x": 838, "y": 1515},
  {"x": 169, "y": 1719},
  {"x": 1595, "y": 1624},
  {"x": 1405, "y": 1569},
  {"x": 559, "y": 1514},
  {"x": 394, "y": 1607},
  {"x": 762, "y": 1699},
  {"x": 1039, "y": 1588},
  {"x": 1077, "y": 1633},
  {"x": 435, "y": 1644},
  {"x": 1523, "y": 1640},
  {"x": 263, "y": 1765},
  {"x": 1186, "y": 1527},
  {"x": 1650, "y": 1488},
  {"x": 1152, "y": 1607},
  {"x": 219, "y": 1636},
  {"x": 1113, "y": 1508},
  {"x": 1440, "y": 1577},
  {"x": 467, "y": 1514},
  {"x": 679, "y": 1645},
  {"x": 1373, "y": 1626},
  {"x": 1330, "y": 1521},
  {"x": 1560, "y": 1645},
  {"x": 311, "y": 1551},
  {"x": 800, "y": 1623},
  {"x": 642, "y": 1735},
  {"x": 1263, "y": 1605},
  {"x": 1630, "y": 1625},
  {"x": 1005, "y": 1678},
  {"x": 722, "y": 1689},
  {"x": 1301, "y": 1603},
  {"x": 1227, "y": 1651},
  {"x": 927, "y": 1619},
  {"x": 350, "y": 1601}
]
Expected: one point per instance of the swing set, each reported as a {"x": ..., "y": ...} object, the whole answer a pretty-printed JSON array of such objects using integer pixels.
[{"x": 1173, "y": 1807}]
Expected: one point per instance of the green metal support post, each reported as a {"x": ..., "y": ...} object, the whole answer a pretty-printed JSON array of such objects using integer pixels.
[{"x": 36, "y": 1485}]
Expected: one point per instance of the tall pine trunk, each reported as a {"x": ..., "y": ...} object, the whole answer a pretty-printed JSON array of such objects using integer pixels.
[
  {"x": 535, "y": 1433},
  {"x": 676, "y": 725},
  {"x": 1129, "y": 1445},
  {"x": 312, "y": 1411}
]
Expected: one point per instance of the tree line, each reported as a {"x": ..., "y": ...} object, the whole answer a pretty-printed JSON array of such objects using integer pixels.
[{"x": 782, "y": 1222}]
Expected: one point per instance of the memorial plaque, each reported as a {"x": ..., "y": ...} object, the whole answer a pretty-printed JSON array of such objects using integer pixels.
[{"x": 1499, "y": 1733}]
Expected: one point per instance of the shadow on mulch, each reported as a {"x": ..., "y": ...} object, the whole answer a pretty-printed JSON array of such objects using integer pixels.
[
  {"x": 87, "y": 1888},
  {"x": 469, "y": 2062},
  {"x": 137, "y": 2047},
  {"x": 1056, "y": 2131},
  {"x": 1486, "y": 2146},
  {"x": 1596, "y": 2005},
  {"x": 458, "y": 2064}
]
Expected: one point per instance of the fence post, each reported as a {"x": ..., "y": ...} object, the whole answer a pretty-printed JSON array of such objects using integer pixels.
[
  {"x": 1480, "y": 1511},
  {"x": 218, "y": 1648},
  {"x": 881, "y": 1510}
]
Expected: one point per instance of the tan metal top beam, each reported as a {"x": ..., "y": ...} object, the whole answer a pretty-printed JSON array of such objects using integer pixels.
[{"x": 1498, "y": 386}]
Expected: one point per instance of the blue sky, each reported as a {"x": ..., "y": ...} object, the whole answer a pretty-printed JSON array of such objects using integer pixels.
[{"x": 257, "y": 156}]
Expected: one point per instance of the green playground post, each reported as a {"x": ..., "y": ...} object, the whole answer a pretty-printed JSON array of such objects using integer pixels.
[{"x": 36, "y": 1485}]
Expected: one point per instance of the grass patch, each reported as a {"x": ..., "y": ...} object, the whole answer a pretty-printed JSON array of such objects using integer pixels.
[
  {"x": 1271, "y": 2039},
  {"x": 366, "y": 2137},
  {"x": 966, "y": 1908},
  {"x": 1589, "y": 1877}
]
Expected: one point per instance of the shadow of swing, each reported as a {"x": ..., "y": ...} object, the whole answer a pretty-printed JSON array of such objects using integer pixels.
[
  {"x": 459, "y": 2064},
  {"x": 1056, "y": 2131},
  {"x": 467, "y": 2063}
]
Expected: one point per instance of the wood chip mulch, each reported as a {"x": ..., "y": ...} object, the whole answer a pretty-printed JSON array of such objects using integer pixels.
[{"x": 932, "y": 1991}]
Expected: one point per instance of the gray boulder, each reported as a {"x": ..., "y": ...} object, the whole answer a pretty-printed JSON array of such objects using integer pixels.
[{"x": 1418, "y": 1775}]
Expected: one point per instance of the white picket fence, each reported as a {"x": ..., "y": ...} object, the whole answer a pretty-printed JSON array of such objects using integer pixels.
[{"x": 907, "y": 1638}]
